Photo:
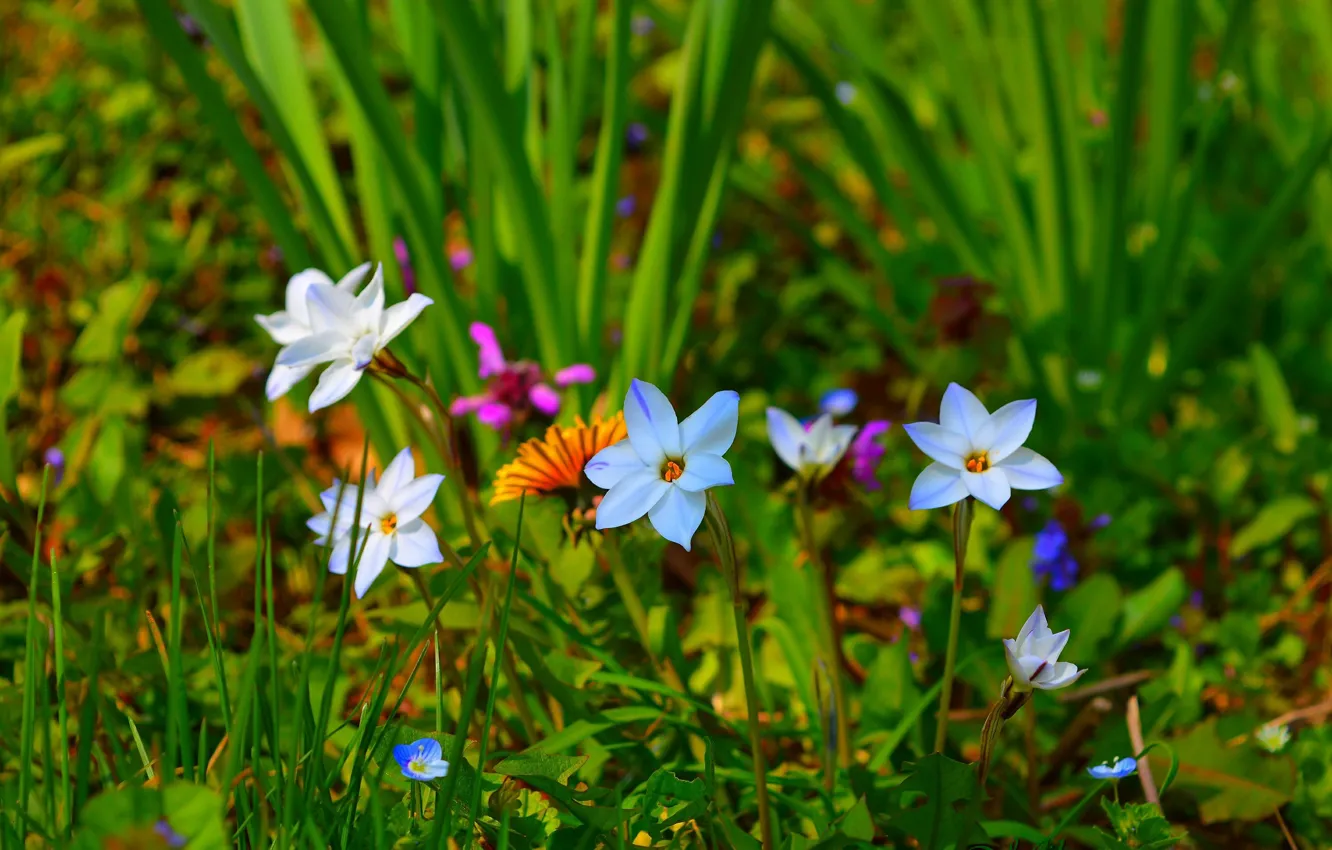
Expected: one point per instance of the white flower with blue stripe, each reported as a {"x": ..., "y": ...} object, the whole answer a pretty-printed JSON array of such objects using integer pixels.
[
  {"x": 665, "y": 467},
  {"x": 978, "y": 453}
]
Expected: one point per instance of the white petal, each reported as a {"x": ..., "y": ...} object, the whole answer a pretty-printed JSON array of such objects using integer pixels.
[
  {"x": 282, "y": 327},
  {"x": 354, "y": 278},
  {"x": 337, "y": 381},
  {"x": 677, "y": 515},
  {"x": 372, "y": 562},
  {"x": 1059, "y": 675},
  {"x": 711, "y": 428},
  {"x": 412, "y": 500},
  {"x": 1049, "y": 647},
  {"x": 1034, "y": 629},
  {"x": 1009, "y": 428},
  {"x": 820, "y": 434},
  {"x": 1027, "y": 470},
  {"x": 415, "y": 545},
  {"x": 396, "y": 475},
  {"x": 371, "y": 299},
  {"x": 1028, "y": 666},
  {"x": 1011, "y": 655},
  {"x": 331, "y": 309},
  {"x": 320, "y": 524},
  {"x": 962, "y": 412},
  {"x": 653, "y": 427},
  {"x": 337, "y": 561},
  {"x": 990, "y": 486},
  {"x": 364, "y": 350},
  {"x": 283, "y": 378},
  {"x": 703, "y": 471},
  {"x": 396, "y": 318},
  {"x": 313, "y": 349},
  {"x": 786, "y": 436},
  {"x": 839, "y": 441},
  {"x": 633, "y": 496},
  {"x": 936, "y": 486},
  {"x": 942, "y": 444},
  {"x": 297, "y": 287},
  {"x": 609, "y": 466}
]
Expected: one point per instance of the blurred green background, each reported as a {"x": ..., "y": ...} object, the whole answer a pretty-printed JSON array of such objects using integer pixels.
[{"x": 1120, "y": 208}]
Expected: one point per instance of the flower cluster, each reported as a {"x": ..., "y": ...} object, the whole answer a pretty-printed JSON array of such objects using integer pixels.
[
  {"x": 327, "y": 322},
  {"x": 516, "y": 388}
]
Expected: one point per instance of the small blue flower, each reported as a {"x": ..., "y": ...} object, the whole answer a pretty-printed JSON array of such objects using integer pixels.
[
  {"x": 838, "y": 402},
  {"x": 421, "y": 760},
  {"x": 1099, "y": 521},
  {"x": 1050, "y": 556},
  {"x": 169, "y": 835},
  {"x": 1114, "y": 770},
  {"x": 625, "y": 206},
  {"x": 846, "y": 92},
  {"x": 636, "y": 134},
  {"x": 55, "y": 458}
]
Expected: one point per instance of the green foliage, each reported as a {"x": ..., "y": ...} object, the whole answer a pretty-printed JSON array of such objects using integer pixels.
[{"x": 1119, "y": 208}]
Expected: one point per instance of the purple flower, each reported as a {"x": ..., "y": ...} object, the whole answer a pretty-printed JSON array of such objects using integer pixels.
[
  {"x": 169, "y": 835},
  {"x": 839, "y": 402},
  {"x": 625, "y": 206},
  {"x": 716, "y": 239},
  {"x": 636, "y": 134},
  {"x": 1196, "y": 600},
  {"x": 1029, "y": 503},
  {"x": 642, "y": 24},
  {"x": 1050, "y": 556},
  {"x": 621, "y": 261},
  {"x": 514, "y": 389},
  {"x": 404, "y": 263},
  {"x": 1099, "y": 521},
  {"x": 55, "y": 458},
  {"x": 866, "y": 452},
  {"x": 909, "y": 616},
  {"x": 460, "y": 258}
]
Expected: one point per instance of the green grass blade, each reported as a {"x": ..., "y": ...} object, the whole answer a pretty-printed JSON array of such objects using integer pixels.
[
  {"x": 31, "y": 662},
  {"x": 500, "y": 132},
  {"x": 270, "y": 41},
  {"x": 220, "y": 116},
  {"x": 58, "y": 629},
  {"x": 605, "y": 187}
]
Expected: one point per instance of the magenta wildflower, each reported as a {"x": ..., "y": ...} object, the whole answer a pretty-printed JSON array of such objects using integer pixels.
[
  {"x": 460, "y": 258},
  {"x": 404, "y": 263},
  {"x": 866, "y": 452},
  {"x": 514, "y": 388},
  {"x": 909, "y": 616}
]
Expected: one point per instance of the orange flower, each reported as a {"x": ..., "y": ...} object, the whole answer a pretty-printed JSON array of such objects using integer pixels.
[{"x": 556, "y": 461}]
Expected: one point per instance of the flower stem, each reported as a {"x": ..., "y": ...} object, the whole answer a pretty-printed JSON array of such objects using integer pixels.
[
  {"x": 633, "y": 603},
  {"x": 828, "y": 613},
  {"x": 961, "y": 530},
  {"x": 725, "y": 545}
]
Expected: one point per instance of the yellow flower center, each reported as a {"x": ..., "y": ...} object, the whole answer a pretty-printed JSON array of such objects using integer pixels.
[
  {"x": 671, "y": 471},
  {"x": 389, "y": 523},
  {"x": 978, "y": 462}
]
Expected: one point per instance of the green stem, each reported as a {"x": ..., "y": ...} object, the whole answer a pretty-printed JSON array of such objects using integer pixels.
[
  {"x": 832, "y": 635},
  {"x": 633, "y": 603},
  {"x": 961, "y": 529},
  {"x": 725, "y": 545}
]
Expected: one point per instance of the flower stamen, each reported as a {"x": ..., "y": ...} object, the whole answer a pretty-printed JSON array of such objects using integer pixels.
[
  {"x": 978, "y": 462},
  {"x": 389, "y": 523},
  {"x": 672, "y": 471}
]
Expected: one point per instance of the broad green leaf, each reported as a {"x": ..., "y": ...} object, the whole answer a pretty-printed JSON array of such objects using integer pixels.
[
  {"x": 1274, "y": 521},
  {"x": 1150, "y": 608},
  {"x": 1232, "y": 783},
  {"x": 210, "y": 372},
  {"x": 1094, "y": 608},
  {"x": 1014, "y": 594},
  {"x": 529, "y": 763},
  {"x": 115, "y": 818},
  {"x": 119, "y": 308},
  {"x": 1274, "y": 399},
  {"x": 950, "y": 811}
]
